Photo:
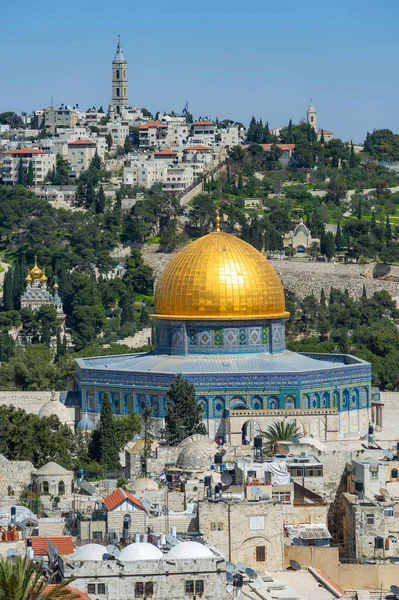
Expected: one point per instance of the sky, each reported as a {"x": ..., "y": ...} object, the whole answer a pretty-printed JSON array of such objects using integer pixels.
[{"x": 228, "y": 59}]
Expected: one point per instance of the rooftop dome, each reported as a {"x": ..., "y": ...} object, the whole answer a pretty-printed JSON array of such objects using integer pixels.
[
  {"x": 301, "y": 227},
  {"x": 189, "y": 550},
  {"x": 140, "y": 551},
  {"x": 55, "y": 407},
  {"x": 219, "y": 277},
  {"x": 89, "y": 552},
  {"x": 36, "y": 272},
  {"x": 198, "y": 455},
  {"x": 85, "y": 425},
  {"x": 143, "y": 484}
]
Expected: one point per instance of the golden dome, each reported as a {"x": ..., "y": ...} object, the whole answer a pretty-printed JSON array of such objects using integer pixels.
[
  {"x": 36, "y": 273},
  {"x": 43, "y": 278},
  {"x": 55, "y": 286},
  {"x": 28, "y": 278},
  {"x": 219, "y": 277}
]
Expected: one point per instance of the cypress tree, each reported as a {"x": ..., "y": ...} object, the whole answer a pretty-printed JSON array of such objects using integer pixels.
[
  {"x": 30, "y": 179},
  {"x": 90, "y": 195},
  {"x": 251, "y": 132},
  {"x": 373, "y": 226},
  {"x": 364, "y": 292},
  {"x": 352, "y": 157},
  {"x": 266, "y": 134},
  {"x": 104, "y": 446},
  {"x": 359, "y": 208},
  {"x": 95, "y": 161},
  {"x": 338, "y": 237},
  {"x": 100, "y": 201},
  {"x": 290, "y": 138},
  {"x": 183, "y": 413},
  {"x": 8, "y": 291},
  {"x": 388, "y": 231},
  {"x": 323, "y": 302},
  {"x": 322, "y": 137},
  {"x": 21, "y": 173}
]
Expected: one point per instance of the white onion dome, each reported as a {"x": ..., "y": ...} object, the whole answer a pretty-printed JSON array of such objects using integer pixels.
[
  {"x": 89, "y": 552},
  {"x": 189, "y": 550},
  {"x": 140, "y": 551},
  {"x": 57, "y": 408}
]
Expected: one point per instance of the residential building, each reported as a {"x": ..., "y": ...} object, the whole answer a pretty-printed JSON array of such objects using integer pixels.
[
  {"x": 186, "y": 571},
  {"x": 152, "y": 135},
  {"x": 119, "y": 131},
  {"x": 203, "y": 132},
  {"x": 42, "y": 163},
  {"x": 80, "y": 155},
  {"x": 126, "y": 515},
  {"x": 178, "y": 178},
  {"x": 63, "y": 116}
]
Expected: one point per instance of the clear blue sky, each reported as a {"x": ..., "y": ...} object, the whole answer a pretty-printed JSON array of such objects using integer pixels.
[{"x": 229, "y": 59}]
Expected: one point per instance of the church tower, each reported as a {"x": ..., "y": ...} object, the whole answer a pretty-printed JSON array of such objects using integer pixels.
[
  {"x": 119, "y": 83},
  {"x": 312, "y": 116}
]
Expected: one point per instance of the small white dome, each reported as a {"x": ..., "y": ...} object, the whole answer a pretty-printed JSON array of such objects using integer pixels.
[
  {"x": 143, "y": 484},
  {"x": 89, "y": 552},
  {"x": 140, "y": 551},
  {"x": 190, "y": 550},
  {"x": 55, "y": 407}
]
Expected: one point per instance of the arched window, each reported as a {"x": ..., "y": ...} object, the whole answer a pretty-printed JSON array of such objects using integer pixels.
[
  {"x": 91, "y": 402},
  {"x": 127, "y": 520},
  {"x": 345, "y": 399},
  {"x": 355, "y": 399},
  {"x": 335, "y": 399},
  {"x": 61, "y": 488},
  {"x": 289, "y": 402},
  {"x": 117, "y": 73},
  {"x": 273, "y": 402},
  {"x": 326, "y": 400},
  {"x": 305, "y": 401},
  {"x": 118, "y": 110},
  {"x": 45, "y": 488},
  {"x": 118, "y": 93},
  {"x": 315, "y": 401}
]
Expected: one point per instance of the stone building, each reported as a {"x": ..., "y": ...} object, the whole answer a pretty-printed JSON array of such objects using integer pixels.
[
  {"x": 126, "y": 515},
  {"x": 219, "y": 321},
  {"x": 311, "y": 117},
  {"x": 119, "y": 83},
  {"x": 42, "y": 163},
  {"x": 188, "y": 570},
  {"x": 55, "y": 485},
  {"x": 15, "y": 476},
  {"x": 54, "y": 407},
  {"x": 300, "y": 240}
]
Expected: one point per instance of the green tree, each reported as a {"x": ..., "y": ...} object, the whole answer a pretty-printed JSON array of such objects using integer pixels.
[
  {"x": 21, "y": 173},
  {"x": 8, "y": 291},
  {"x": 338, "y": 237},
  {"x": 147, "y": 426},
  {"x": 352, "y": 158},
  {"x": 104, "y": 445},
  {"x": 23, "y": 579},
  {"x": 183, "y": 415},
  {"x": 100, "y": 200},
  {"x": 109, "y": 141},
  {"x": 61, "y": 176},
  {"x": 30, "y": 177},
  {"x": 280, "y": 431}
]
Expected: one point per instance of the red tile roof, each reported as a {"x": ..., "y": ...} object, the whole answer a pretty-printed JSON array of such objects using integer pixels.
[
  {"x": 165, "y": 152},
  {"x": 150, "y": 124},
  {"x": 63, "y": 543},
  {"x": 82, "y": 143},
  {"x": 119, "y": 496},
  {"x": 25, "y": 151},
  {"x": 79, "y": 595},
  {"x": 269, "y": 146},
  {"x": 203, "y": 123},
  {"x": 198, "y": 147}
]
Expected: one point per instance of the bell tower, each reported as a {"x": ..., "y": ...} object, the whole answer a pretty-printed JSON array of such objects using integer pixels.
[
  {"x": 119, "y": 83},
  {"x": 312, "y": 116}
]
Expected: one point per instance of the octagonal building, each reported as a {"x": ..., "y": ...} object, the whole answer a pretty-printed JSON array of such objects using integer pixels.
[{"x": 219, "y": 321}]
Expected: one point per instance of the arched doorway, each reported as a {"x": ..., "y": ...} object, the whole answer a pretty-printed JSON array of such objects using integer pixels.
[{"x": 249, "y": 431}]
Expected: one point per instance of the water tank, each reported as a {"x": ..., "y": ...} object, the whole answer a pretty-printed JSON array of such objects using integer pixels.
[
  {"x": 218, "y": 459},
  {"x": 358, "y": 485},
  {"x": 258, "y": 441},
  {"x": 371, "y": 429},
  {"x": 238, "y": 580},
  {"x": 394, "y": 473},
  {"x": 13, "y": 514},
  {"x": 378, "y": 542}
]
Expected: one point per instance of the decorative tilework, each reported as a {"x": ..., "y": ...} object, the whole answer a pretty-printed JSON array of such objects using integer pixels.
[
  {"x": 218, "y": 337},
  {"x": 177, "y": 337},
  {"x": 254, "y": 336},
  {"x": 265, "y": 335},
  {"x": 230, "y": 337},
  {"x": 192, "y": 337},
  {"x": 243, "y": 336},
  {"x": 205, "y": 338}
]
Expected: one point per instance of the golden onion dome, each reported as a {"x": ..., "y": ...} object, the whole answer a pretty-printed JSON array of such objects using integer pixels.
[
  {"x": 219, "y": 277},
  {"x": 36, "y": 272},
  {"x": 55, "y": 286},
  {"x": 28, "y": 278}
]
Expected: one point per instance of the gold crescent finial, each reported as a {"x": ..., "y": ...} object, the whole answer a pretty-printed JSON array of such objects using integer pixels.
[{"x": 217, "y": 220}]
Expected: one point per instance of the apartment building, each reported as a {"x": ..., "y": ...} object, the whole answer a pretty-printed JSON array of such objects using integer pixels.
[
  {"x": 80, "y": 155},
  {"x": 42, "y": 163}
]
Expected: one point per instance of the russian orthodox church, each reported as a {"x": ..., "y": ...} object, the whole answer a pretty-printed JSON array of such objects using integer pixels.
[
  {"x": 219, "y": 321},
  {"x": 37, "y": 293}
]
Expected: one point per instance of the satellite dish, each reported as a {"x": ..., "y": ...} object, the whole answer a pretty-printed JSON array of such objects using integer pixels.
[
  {"x": 229, "y": 576},
  {"x": 107, "y": 556},
  {"x": 395, "y": 590},
  {"x": 230, "y": 588},
  {"x": 283, "y": 449},
  {"x": 295, "y": 565},
  {"x": 171, "y": 539},
  {"x": 257, "y": 584},
  {"x": 227, "y": 479},
  {"x": 231, "y": 567},
  {"x": 296, "y": 541},
  {"x": 241, "y": 567},
  {"x": 12, "y": 552},
  {"x": 388, "y": 454},
  {"x": 113, "y": 551},
  {"x": 251, "y": 573}
]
